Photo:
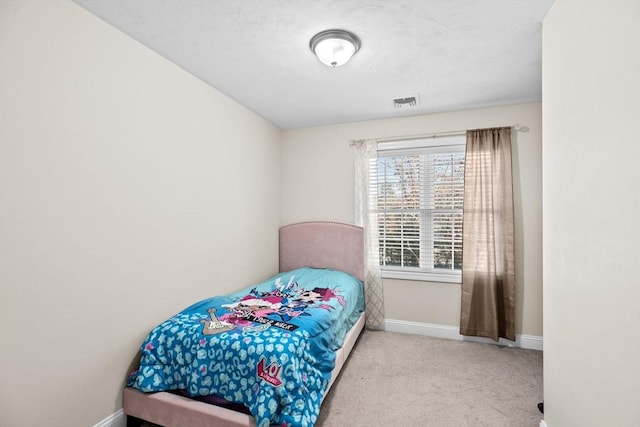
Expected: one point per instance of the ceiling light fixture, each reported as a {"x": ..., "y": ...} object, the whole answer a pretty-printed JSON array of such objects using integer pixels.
[{"x": 334, "y": 47}]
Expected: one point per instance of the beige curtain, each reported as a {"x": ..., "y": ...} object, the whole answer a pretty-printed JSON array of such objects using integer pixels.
[
  {"x": 488, "y": 254},
  {"x": 365, "y": 151}
]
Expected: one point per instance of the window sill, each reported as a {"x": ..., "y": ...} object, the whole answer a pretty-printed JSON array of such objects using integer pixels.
[{"x": 422, "y": 276}]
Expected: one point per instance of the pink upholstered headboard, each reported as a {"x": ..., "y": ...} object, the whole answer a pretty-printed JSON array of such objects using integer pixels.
[{"x": 322, "y": 245}]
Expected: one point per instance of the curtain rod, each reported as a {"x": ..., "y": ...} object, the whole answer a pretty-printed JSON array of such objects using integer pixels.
[{"x": 517, "y": 128}]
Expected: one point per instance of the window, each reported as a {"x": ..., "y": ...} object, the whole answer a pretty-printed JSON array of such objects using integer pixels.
[{"x": 419, "y": 186}]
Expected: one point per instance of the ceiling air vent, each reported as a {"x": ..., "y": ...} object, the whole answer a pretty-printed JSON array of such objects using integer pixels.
[{"x": 406, "y": 102}]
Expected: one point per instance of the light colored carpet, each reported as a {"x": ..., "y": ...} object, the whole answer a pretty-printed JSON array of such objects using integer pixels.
[
  {"x": 403, "y": 380},
  {"x": 394, "y": 379}
]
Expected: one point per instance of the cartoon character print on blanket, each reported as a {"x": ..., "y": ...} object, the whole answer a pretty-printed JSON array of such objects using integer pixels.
[
  {"x": 213, "y": 325},
  {"x": 281, "y": 305}
]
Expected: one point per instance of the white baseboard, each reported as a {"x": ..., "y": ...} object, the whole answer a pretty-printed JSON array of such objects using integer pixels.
[
  {"x": 451, "y": 332},
  {"x": 543, "y": 424},
  {"x": 117, "y": 419}
]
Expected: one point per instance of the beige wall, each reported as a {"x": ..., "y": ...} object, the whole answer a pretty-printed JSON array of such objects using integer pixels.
[
  {"x": 128, "y": 190},
  {"x": 318, "y": 184},
  {"x": 591, "y": 104}
]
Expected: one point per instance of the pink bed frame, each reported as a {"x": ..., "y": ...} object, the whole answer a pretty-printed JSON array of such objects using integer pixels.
[{"x": 306, "y": 244}]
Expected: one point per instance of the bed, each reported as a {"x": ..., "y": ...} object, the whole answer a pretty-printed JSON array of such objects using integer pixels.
[{"x": 308, "y": 250}]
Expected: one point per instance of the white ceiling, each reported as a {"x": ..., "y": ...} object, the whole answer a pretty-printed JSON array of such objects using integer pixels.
[{"x": 453, "y": 54}]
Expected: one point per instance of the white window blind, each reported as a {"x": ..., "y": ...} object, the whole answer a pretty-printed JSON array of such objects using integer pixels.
[{"x": 417, "y": 190}]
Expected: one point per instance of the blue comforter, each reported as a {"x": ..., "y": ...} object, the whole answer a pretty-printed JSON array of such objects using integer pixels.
[{"x": 270, "y": 347}]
